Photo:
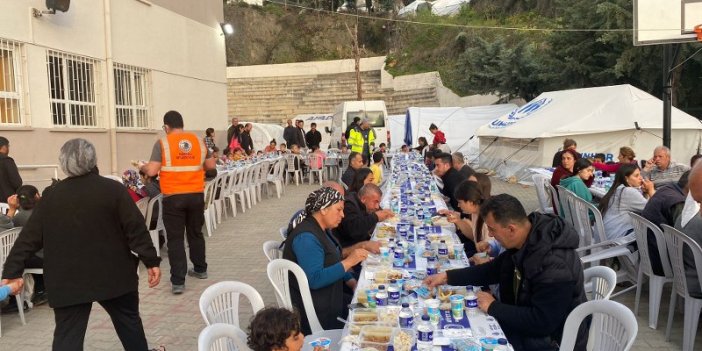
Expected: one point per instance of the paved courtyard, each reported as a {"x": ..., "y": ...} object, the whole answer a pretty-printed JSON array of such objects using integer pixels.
[{"x": 234, "y": 253}]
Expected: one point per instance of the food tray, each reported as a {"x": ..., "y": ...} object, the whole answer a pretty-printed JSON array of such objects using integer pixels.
[{"x": 377, "y": 337}]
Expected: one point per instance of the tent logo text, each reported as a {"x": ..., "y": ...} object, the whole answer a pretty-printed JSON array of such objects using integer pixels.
[{"x": 520, "y": 113}]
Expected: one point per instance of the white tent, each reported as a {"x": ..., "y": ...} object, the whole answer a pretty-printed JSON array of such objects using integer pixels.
[
  {"x": 601, "y": 120},
  {"x": 458, "y": 123},
  {"x": 413, "y": 7},
  {"x": 263, "y": 133},
  {"x": 447, "y": 7}
]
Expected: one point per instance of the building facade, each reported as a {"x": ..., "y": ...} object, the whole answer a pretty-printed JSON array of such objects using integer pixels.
[{"x": 107, "y": 71}]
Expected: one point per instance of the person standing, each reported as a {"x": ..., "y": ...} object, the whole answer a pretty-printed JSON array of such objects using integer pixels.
[
  {"x": 180, "y": 158},
  {"x": 300, "y": 136},
  {"x": 209, "y": 139},
  {"x": 439, "y": 137},
  {"x": 313, "y": 138},
  {"x": 568, "y": 144},
  {"x": 10, "y": 179},
  {"x": 361, "y": 140},
  {"x": 246, "y": 141},
  {"x": 352, "y": 126},
  {"x": 88, "y": 250},
  {"x": 233, "y": 131},
  {"x": 289, "y": 134}
]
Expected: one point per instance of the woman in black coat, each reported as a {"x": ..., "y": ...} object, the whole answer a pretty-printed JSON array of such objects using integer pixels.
[{"x": 88, "y": 227}]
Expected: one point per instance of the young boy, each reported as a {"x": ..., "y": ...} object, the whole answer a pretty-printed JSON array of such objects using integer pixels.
[
  {"x": 276, "y": 329},
  {"x": 377, "y": 167}
]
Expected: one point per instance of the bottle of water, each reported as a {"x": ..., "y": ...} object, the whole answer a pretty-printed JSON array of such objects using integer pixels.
[
  {"x": 406, "y": 317},
  {"x": 471, "y": 302},
  {"x": 393, "y": 293},
  {"x": 399, "y": 257},
  {"x": 432, "y": 265},
  {"x": 443, "y": 251},
  {"x": 425, "y": 334},
  {"x": 381, "y": 297}
]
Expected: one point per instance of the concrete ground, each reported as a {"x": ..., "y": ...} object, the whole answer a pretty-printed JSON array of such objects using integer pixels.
[{"x": 234, "y": 253}]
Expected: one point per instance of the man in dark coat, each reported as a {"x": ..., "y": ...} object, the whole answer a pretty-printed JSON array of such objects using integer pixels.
[
  {"x": 355, "y": 163},
  {"x": 88, "y": 251},
  {"x": 540, "y": 275},
  {"x": 10, "y": 179},
  {"x": 246, "y": 141},
  {"x": 313, "y": 137},
  {"x": 361, "y": 213},
  {"x": 290, "y": 134},
  {"x": 449, "y": 176},
  {"x": 233, "y": 131},
  {"x": 300, "y": 135}
]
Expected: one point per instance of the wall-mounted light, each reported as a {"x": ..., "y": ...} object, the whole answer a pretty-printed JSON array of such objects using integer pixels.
[{"x": 227, "y": 28}]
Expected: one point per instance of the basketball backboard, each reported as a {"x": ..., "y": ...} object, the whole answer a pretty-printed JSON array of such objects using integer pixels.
[{"x": 666, "y": 21}]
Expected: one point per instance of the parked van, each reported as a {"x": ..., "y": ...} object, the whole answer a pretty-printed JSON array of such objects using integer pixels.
[{"x": 374, "y": 110}]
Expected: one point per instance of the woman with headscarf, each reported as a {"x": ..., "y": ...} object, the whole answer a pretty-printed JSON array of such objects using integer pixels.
[
  {"x": 312, "y": 246},
  {"x": 132, "y": 181},
  {"x": 88, "y": 227}
]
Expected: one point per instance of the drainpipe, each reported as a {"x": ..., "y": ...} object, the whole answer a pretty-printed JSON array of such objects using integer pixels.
[{"x": 109, "y": 66}]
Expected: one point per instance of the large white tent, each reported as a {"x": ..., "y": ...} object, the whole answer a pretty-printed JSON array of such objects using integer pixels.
[
  {"x": 601, "y": 120},
  {"x": 458, "y": 123}
]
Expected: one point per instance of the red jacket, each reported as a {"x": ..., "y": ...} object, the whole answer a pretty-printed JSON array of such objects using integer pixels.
[{"x": 439, "y": 138}]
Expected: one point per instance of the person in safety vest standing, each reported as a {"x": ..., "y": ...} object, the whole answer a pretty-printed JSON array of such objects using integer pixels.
[
  {"x": 361, "y": 139},
  {"x": 182, "y": 159}
]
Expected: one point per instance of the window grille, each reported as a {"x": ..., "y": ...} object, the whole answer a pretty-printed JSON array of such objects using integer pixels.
[
  {"x": 10, "y": 83},
  {"x": 132, "y": 103},
  {"x": 73, "y": 82}
]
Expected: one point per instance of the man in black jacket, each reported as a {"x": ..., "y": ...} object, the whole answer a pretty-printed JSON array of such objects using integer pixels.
[
  {"x": 313, "y": 136},
  {"x": 540, "y": 275},
  {"x": 361, "y": 213},
  {"x": 300, "y": 136},
  {"x": 289, "y": 134},
  {"x": 246, "y": 141},
  {"x": 450, "y": 177},
  {"x": 10, "y": 179},
  {"x": 233, "y": 131},
  {"x": 355, "y": 163}
]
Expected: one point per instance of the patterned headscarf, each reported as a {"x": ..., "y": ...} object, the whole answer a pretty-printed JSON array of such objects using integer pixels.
[
  {"x": 316, "y": 201},
  {"x": 131, "y": 180}
]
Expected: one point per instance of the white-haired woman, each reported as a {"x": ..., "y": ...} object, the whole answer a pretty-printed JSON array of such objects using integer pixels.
[{"x": 88, "y": 227}]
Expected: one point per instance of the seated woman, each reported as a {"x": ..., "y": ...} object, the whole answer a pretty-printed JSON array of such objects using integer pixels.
[
  {"x": 582, "y": 171},
  {"x": 626, "y": 156},
  {"x": 276, "y": 329},
  {"x": 423, "y": 146},
  {"x": 624, "y": 196},
  {"x": 132, "y": 181},
  {"x": 312, "y": 246},
  {"x": 363, "y": 176}
]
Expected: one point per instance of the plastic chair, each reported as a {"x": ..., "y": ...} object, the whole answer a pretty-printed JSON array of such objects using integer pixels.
[
  {"x": 219, "y": 303},
  {"x": 344, "y": 158},
  {"x": 566, "y": 202},
  {"x": 284, "y": 232},
  {"x": 297, "y": 173},
  {"x": 209, "y": 207},
  {"x": 677, "y": 241},
  {"x": 222, "y": 337},
  {"x": 238, "y": 190},
  {"x": 279, "y": 274},
  {"x": 616, "y": 332},
  {"x": 544, "y": 198},
  {"x": 155, "y": 232},
  {"x": 229, "y": 193},
  {"x": 275, "y": 179},
  {"x": 4, "y": 208},
  {"x": 271, "y": 249},
  {"x": 314, "y": 161},
  {"x": 553, "y": 193},
  {"x": 7, "y": 239},
  {"x": 602, "y": 280},
  {"x": 655, "y": 282},
  {"x": 143, "y": 205}
]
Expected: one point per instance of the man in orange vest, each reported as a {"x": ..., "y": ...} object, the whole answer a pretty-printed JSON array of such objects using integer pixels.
[{"x": 181, "y": 158}]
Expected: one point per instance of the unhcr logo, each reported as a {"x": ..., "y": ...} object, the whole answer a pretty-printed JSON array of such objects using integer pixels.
[{"x": 520, "y": 113}]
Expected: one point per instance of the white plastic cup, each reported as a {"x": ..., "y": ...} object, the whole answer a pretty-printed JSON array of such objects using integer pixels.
[{"x": 433, "y": 310}]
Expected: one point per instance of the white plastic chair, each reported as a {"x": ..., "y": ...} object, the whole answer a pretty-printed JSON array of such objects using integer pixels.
[
  {"x": 565, "y": 197},
  {"x": 313, "y": 161},
  {"x": 279, "y": 274},
  {"x": 218, "y": 194},
  {"x": 220, "y": 200},
  {"x": 160, "y": 227},
  {"x": 209, "y": 212},
  {"x": 271, "y": 249},
  {"x": 283, "y": 232},
  {"x": 601, "y": 281},
  {"x": 4, "y": 208},
  {"x": 240, "y": 191},
  {"x": 676, "y": 241},
  {"x": 655, "y": 282},
  {"x": 544, "y": 198},
  {"x": 275, "y": 178},
  {"x": 553, "y": 193},
  {"x": 296, "y": 173},
  {"x": 222, "y": 337},
  {"x": 143, "y": 205},
  {"x": 219, "y": 303},
  {"x": 7, "y": 239},
  {"x": 617, "y": 331}
]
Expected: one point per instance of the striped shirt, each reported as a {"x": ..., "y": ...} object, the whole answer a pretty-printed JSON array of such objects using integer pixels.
[{"x": 669, "y": 175}]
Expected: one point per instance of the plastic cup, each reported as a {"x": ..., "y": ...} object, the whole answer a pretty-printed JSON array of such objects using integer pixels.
[
  {"x": 324, "y": 343},
  {"x": 458, "y": 251},
  {"x": 456, "y": 307},
  {"x": 433, "y": 310}
]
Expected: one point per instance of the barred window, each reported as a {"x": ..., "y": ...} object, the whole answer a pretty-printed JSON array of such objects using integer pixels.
[
  {"x": 73, "y": 82},
  {"x": 132, "y": 101},
  {"x": 10, "y": 83}
]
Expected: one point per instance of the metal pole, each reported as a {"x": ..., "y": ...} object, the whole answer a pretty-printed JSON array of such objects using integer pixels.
[{"x": 667, "y": 92}]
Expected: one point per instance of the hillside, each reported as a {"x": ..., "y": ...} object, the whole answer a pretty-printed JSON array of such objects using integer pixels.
[{"x": 476, "y": 51}]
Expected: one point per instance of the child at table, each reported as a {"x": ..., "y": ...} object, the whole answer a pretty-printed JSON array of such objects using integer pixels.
[{"x": 276, "y": 329}]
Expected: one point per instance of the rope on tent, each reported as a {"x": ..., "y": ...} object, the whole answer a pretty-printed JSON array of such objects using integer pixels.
[
  {"x": 481, "y": 152},
  {"x": 520, "y": 149}
]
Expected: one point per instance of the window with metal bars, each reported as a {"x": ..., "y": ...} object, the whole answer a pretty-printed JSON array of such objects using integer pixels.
[
  {"x": 10, "y": 83},
  {"x": 132, "y": 103},
  {"x": 73, "y": 82}
]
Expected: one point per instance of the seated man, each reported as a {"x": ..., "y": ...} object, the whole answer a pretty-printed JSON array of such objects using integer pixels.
[
  {"x": 664, "y": 207},
  {"x": 355, "y": 163},
  {"x": 660, "y": 169},
  {"x": 540, "y": 275},
  {"x": 361, "y": 213},
  {"x": 460, "y": 165},
  {"x": 449, "y": 176}
]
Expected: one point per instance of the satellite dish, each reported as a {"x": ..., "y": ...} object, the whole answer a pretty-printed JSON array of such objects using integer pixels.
[{"x": 58, "y": 5}]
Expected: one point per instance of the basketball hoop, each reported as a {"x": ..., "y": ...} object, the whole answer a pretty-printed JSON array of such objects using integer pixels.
[{"x": 698, "y": 30}]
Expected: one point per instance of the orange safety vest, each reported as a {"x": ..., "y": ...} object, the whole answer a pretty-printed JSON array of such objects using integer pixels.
[{"x": 182, "y": 155}]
